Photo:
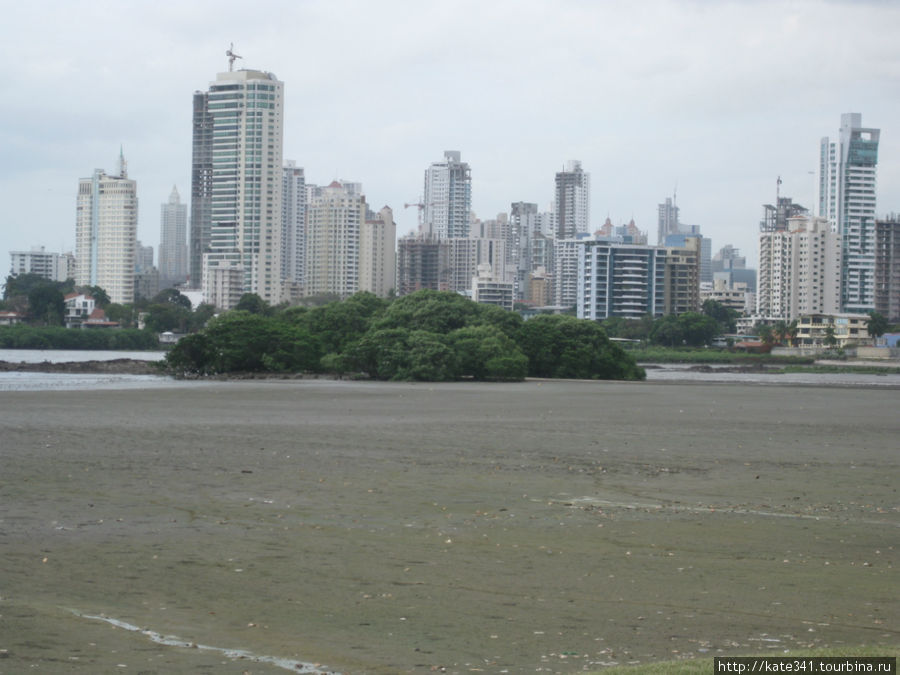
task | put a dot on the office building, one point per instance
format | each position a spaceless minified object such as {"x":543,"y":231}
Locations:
{"x":238,"y":168}
{"x":846,"y":182}
{"x":106,"y":233}
{"x":173,"y":249}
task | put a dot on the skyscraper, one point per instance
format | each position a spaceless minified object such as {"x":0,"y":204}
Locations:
{"x":334,"y":220}
{"x":571,"y":201}
{"x":847,"y":171}
{"x":293,"y":232}
{"x":238,"y":147}
{"x":447,"y":199}
{"x":106,"y":232}
{"x":173,"y":263}
{"x":667,"y":220}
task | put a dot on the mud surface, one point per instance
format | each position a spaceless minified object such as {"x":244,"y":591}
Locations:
{"x":385,"y":528}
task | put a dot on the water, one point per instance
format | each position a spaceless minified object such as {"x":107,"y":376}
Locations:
{"x":658,"y":373}
{"x":71,"y":355}
{"x":682,"y":373}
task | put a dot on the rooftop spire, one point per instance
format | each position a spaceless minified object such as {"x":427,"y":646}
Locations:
{"x":123,"y":165}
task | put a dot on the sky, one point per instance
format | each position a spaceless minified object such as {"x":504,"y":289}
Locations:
{"x":708,"y":100}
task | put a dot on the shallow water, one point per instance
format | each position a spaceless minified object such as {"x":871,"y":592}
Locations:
{"x":74,"y":355}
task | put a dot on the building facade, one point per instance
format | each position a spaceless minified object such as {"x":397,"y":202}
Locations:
{"x":239,"y":135}
{"x":422,"y":262}
{"x":615,"y":279}
{"x":106,"y":233}
{"x":293,"y":223}
{"x":799,"y":270}
{"x":572,"y":201}
{"x":887,"y":268}
{"x":378,"y":254}
{"x":335,"y":218}
{"x":847,"y":173}
{"x":447,"y":199}
{"x":173,"y":248}
{"x":53,"y":266}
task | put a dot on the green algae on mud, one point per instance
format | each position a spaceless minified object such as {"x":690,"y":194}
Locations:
{"x":381,"y":528}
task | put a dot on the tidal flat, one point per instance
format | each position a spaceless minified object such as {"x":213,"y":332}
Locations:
{"x":392,"y":527}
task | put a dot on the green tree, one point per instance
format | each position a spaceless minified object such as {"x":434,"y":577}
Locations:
{"x":563,"y":346}
{"x":877,"y":325}
{"x":766,"y":333}
{"x":697,"y":329}
{"x":100,"y":296}
{"x":830,"y":339}
{"x":667,"y":331}
{"x":167,"y":317}
{"x":123,"y":314}
{"x":486,"y":353}
{"x":251,"y":302}
{"x":724,"y":316}
{"x":171,"y":296}
{"x":46,"y":304}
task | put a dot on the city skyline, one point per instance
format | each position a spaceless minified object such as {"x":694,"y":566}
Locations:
{"x":525,"y":87}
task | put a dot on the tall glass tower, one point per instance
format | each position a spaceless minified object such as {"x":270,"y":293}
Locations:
{"x":847,"y":170}
{"x":237,"y":182}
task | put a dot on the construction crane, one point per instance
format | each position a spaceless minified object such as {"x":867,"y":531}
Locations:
{"x":231,"y":57}
{"x":421,"y":206}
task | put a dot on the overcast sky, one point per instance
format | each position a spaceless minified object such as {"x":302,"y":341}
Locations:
{"x":716,"y":98}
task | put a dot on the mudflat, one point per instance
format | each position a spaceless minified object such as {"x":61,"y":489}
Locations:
{"x":387,"y":528}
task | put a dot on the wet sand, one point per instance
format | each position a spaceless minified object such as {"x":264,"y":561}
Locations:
{"x":384,"y":528}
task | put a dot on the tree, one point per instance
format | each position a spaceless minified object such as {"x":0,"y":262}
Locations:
{"x":46,"y":304}
{"x":876,"y":326}
{"x":724,"y":316}
{"x":487,"y":353}
{"x":563,"y":346}
{"x":171,"y":296}
{"x":766,"y":333}
{"x":667,"y":331}
{"x":251,"y":302}
{"x":830,"y":340}
{"x":100,"y":296}
{"x":697,"y":329}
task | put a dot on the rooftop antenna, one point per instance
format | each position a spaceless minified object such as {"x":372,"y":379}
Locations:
{"x":231,"y":57}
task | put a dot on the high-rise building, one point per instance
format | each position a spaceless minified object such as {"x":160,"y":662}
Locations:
{"x":572,"y":201}
{"x":447,"y":200}
{"x":667,"y":220}
{"x":106,"y":233}
{"x":615,"y":279}
{"x":847,"y":172}
{"x":422,"y":262}
{"x":53,"y":266}
{"x":238,"y":147}
{"x":887,"y":268}
{"x":293,"y":232}
{"x":799,"y":269}
{"x":173,"y":262}
{"x":334,"y":222}
{"x":377,"y":253}
{"x":201,"y":188}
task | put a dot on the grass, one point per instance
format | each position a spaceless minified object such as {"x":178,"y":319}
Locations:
{"x":704,"y":666}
